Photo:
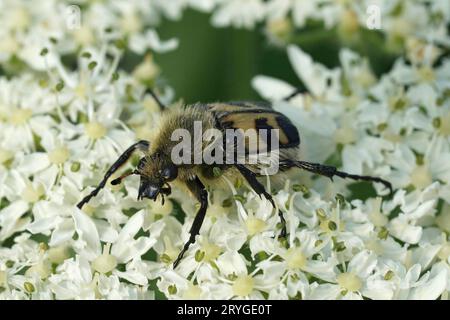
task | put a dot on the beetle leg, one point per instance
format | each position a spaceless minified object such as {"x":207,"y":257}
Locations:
{"x":296,"y":92}
{"x":330,"y":171}
{"x":198,"y":189}
{"x":250,"y":176}
{"x":155,"y":97}
{"x":141,"y":145}
{"x":167,"y":189}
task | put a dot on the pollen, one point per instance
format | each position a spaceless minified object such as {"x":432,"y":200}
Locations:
{"x":331,"y":226}
{"x":374,"y":246}
{"x":243,"y":286}
{"x":171,"y":253}
{"x":29,"y":287}
{"x":444,"y":127}
{"x":392,"y":137}
{"x":84,"y":36}
{"x":2,"y":278}
{"x":443,"y":219}
{"x":349,"y":23}
{"x":9,"y":45}
{"x":105,"y":262}
{"x":420,"y":177}
{"x":345,"y":135}
{"x":150,"y":104}
{"x":193,"y":292}
{"x":41,"y":269}
{"x":376,"y":217}
{"x":426,"y":74}
{"x":254,"y":225}
{"x":131,"y":23}
{"x":349,"y":281}
{"x":32,"y":194}
{"x":147,"y":70}
{"x":158,"y":208}
{"x":88,"y":209}
{"x":216,"y":210}
{"x":20,"y":18}
{"x":444,"y":252}
{"x":95,"y":130}
{"x":279,"y":28}
{"x":19,"y":117}
{"x":400,"y":28}
{"x":211,"y":250}
{"x":5,"y":155}
{"x":365,"y":78}
{"x":81,"y":91}
{"x":59,"y":155}
{"x":58,"y":254}
{"x":295,"y":258}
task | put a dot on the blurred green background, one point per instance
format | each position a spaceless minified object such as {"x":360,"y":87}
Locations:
{"x":217,"y":64}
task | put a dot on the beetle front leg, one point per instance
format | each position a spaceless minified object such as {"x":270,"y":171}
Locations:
{"x":198,"y":189}
{"x":142,"y":145}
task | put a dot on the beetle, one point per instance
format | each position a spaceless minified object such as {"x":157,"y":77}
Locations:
{"x":157,"y":168}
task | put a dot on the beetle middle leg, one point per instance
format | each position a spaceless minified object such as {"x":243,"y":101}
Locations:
{"x":250,"y":176}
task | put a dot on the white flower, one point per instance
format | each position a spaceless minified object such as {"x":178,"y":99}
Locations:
{"x":433,"y":166}
{"x":69,"y":108}
{"x":238,"y":13}
{"x":301,"y":10}
{"x":124,"y":248}
{"x":404,"y":226}
{"x":24,"y":112}
{"x":435,"y":282}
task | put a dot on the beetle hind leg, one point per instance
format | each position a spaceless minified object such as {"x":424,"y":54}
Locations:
{"x":330,"y":172}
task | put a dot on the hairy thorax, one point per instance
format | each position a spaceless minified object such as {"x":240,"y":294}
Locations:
{"x":174,"y":123}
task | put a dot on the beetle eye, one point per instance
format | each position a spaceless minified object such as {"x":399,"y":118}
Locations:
{"x":169,"y":173}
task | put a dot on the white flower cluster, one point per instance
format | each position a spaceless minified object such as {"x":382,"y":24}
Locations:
{"x":63,"y":123}
{"x":400,"y":20}
{"x":397,"y":128}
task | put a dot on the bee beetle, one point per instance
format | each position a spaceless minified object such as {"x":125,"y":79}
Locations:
{"x":157,"y":168}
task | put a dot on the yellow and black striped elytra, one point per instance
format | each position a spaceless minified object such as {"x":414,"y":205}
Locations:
{"x":157,"y":170}
{"x":257,"y":116}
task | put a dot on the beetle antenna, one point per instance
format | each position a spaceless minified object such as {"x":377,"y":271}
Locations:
{"x":119,"y":179}
{"x":141,"y":145}
{"x":158,"y":101}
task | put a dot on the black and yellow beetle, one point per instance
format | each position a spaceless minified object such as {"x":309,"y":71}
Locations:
{"x":157,"y":168}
